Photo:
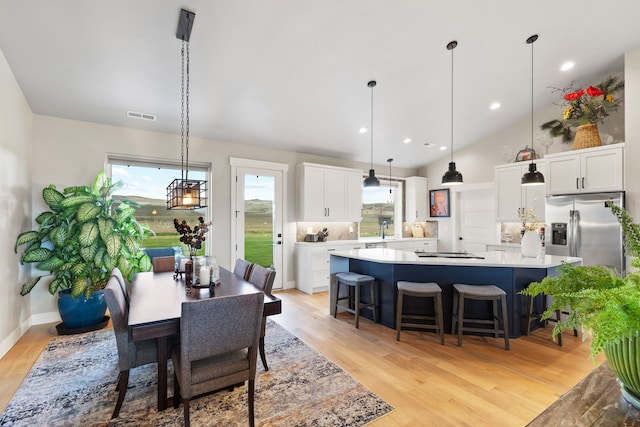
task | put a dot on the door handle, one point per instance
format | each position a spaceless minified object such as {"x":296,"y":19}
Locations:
{"x":577,"y":183}
{"x":583,"y":182}
{"x":459,"y":238}
{"x":279,"y":242}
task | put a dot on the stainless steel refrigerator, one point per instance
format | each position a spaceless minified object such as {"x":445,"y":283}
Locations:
{"x":582,"y":225}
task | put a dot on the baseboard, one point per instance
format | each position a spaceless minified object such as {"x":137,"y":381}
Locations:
{"x":13,"y":337}
{"x":41,"y":318}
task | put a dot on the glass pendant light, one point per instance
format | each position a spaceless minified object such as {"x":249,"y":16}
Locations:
{"x":371,"y":180}
{"x":452,"y":176}
{"x":532,"y":177}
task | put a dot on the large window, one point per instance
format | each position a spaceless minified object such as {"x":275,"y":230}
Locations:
{"x":146,"y":184}
{"x":382,"y":207}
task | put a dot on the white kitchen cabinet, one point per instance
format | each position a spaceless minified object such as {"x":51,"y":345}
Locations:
{"x":327,"y":193}
{"x":511,"y":197}
{"x":412,"y":245}
{"x":312,"y":264}
{"x":589,"y":170}
{"x":417,"y":203}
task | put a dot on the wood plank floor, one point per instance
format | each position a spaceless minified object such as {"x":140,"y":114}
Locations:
{"x":478,"y":384}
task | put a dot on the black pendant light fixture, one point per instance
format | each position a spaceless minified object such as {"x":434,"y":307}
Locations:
{"x":532,"y":177}
{"x":452,"y":176}
{"x":185,"y":193}
{"x":389,"y":160}
{"x":371,"y":180}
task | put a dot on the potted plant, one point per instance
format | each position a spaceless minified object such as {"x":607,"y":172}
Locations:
{"x":606,"y":304}
{"x":80,"y":240}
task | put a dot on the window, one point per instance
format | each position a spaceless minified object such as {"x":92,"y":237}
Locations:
{"x":382,"y":205}
{"x":146,"y":184}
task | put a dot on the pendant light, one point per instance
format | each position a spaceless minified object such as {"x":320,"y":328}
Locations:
{"x":185,"y":193}
{"x":533,"y":177}
{"x":371,"y":180}
{"x":452,"y":176}
{"x":389,"y":160}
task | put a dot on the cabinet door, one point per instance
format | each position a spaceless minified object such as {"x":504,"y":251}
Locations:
{"x":335,"y":195}
{"x":508,"y":192}
{"x":417,"y":205}
{"x":354,"y":196}
{"x":313,"y":208}
{"x":564,"y":175}
{"x":601,"y":170}
{"x":533,"y":196}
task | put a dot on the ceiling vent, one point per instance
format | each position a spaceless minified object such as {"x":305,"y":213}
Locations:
{"x":141,"y":116}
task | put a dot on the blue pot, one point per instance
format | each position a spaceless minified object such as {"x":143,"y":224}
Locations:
{"x":81,"y":312}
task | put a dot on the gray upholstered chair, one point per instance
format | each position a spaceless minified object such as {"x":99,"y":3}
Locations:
{"x":123,"y":284}
{"x":243,"y":268}
{"x":163,"y":264}
{"x":262,"y":278}
{"x":218,"y":347}
{"x":130,"y":354}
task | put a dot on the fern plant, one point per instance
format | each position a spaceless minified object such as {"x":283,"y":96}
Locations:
{"x":84,"y":235}
{"x":605,"y":303}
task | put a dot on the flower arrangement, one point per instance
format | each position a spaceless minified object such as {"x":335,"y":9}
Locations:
{"x":529,"y":220}
{"x":584,"y":106}
{"x":193,"y":238}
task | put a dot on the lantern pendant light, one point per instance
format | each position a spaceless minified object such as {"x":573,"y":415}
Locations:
{"x":185,"y":193}
{"x":371,"y":180}
{"x":533,"y":177}
{"x":452,"y":176}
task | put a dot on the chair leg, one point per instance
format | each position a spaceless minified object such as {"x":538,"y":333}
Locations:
{"x":373,"y":301}
{"x":250,"y":398}
{"x":263,"y":357}
{"x":335,"y":302}
{"x":399,"y":315}
{"x":123,"y":382}
{"x":460,"y":319}
{"x":454,"y":317}
{"x":176,"y":391}
{"x":505,"y":321}
{"x":187,"y":420}
{"x":438,"y":307}
{"x":357,"y":304}
{"x":118,"y":381}
{"x":495,"y":318}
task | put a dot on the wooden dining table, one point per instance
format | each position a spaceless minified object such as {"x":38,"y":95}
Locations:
{"x":155,"y":308}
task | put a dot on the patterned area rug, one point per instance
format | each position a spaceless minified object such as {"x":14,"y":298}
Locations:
{"x":73,"y":383}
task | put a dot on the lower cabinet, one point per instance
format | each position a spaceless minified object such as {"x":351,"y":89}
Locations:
{"x":312,"y":265}
{"x":412,"y":245}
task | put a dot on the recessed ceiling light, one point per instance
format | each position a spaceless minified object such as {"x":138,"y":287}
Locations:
{"x":442,"y":148}
{"x":429,"y":144}
{"x":406,"y":140}
{"x":363,"y":130}
{"x":495,"y":105}
{"x":567,"y":66}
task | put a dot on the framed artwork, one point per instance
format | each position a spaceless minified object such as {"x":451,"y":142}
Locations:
{"x":439,"y":203}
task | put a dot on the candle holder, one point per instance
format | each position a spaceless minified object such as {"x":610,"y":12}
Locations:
{"x":201,"y":272}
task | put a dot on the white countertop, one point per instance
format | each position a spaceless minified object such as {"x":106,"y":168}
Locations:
{"x":367,"y":240}
{"x":491,"y":259}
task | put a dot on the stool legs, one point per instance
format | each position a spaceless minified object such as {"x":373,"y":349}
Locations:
{"x":505,"y":321}
{"x":437,"y":318}
{"x":354,"y":301}
{"x":458,"y":319}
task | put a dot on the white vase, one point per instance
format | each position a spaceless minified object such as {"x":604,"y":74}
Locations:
{"x":530,"y":244}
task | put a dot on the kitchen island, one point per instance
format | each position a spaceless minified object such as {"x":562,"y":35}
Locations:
{"x":509,"y":271}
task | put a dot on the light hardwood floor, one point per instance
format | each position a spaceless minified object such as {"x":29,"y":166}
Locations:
{"x":478,"y":384}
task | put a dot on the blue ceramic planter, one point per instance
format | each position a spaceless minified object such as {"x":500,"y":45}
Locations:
{"x":81,"y":312}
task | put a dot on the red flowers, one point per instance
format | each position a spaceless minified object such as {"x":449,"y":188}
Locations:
{"x":594,"y":91}
{"x":574,"y":95}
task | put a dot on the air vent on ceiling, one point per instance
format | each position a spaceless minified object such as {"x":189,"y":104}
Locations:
{"x":141,"y":116}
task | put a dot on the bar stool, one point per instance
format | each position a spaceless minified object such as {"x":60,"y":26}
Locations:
{"x":532,"y":317}
{"x":355,"y":281}
{"x":479,"y":292}
{"x":420,"y":290}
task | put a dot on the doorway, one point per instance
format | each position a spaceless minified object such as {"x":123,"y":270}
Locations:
{"x":257,"y":215}
{"x":475,"y":223}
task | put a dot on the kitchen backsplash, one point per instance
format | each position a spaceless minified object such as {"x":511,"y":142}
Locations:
{"x":349,"y":230}
{"x":430,"y":228}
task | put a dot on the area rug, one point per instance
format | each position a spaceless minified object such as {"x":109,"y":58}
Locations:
{"x":73,"y":383}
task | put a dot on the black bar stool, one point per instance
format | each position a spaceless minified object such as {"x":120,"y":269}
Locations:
{"x":420,"y":290}
{"x":480,"y":292}
{"x":355,"y":281}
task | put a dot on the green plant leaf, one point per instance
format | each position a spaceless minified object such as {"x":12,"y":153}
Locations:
{"x":109,"y":262}
{"x":97,"y":258}
{"x":50,"y":265}
{"x":106,"y":227}
{"x":52,"y":197}
{"x":36,"y":255}
{"x":88,"y":252}
{"x":113,"y":244}
{"x":75,"y":200}
{"x":67,"y":266}
{"x":26,"y":237}
{"x":131,"y":243}
{"x":58,"y":235}
{"x":55,"y":284}
{"x":124,"y":213}
{"x":26,"y":288}
{"x":44,"y":218}
{"x":87,"y":211}
{"x":79,"y":286}
{"x":79,"y":269}
{"x":88,"y":233}
{"x":145,"y":263}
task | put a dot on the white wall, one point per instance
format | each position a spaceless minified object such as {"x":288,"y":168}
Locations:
{"x":632,"y":133}
{"x":15,"y":204}
{"x":71,"y":152}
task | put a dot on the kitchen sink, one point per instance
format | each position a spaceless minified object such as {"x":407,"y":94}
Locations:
{"x":425,"y":254}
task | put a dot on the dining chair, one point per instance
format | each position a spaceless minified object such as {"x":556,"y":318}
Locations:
{"x":123,"y":284}
{"x":243,"y":268}
{"x":163,"y":263}
{"x":262,"y":278}
{"x":218,"y":347}
{"x":130,"y":354}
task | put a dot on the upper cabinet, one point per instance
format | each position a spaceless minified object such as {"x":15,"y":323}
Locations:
{"x":588,"y":170}
{"x":511,"y":197}
{"x":417,"y":205}
{"x":328,"y":193}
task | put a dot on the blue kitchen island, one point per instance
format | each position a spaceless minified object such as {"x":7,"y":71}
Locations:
{"x":509,"y":271}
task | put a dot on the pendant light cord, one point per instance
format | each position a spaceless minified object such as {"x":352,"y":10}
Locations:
{"x":452,"y":104}
{"x":372,"y":86}
{"x":184,"y":130}
{"x":533,"y":153}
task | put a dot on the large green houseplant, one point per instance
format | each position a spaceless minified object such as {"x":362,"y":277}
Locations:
{"x":606,"y":304}
{"x":84,"y":235}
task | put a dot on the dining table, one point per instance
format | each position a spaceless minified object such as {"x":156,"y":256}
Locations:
{"x":155,"y":307}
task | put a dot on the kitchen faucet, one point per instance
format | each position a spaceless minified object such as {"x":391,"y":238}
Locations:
{"x":384,"y":225}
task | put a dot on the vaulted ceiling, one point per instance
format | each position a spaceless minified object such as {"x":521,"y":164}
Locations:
{"x":292,"y":74}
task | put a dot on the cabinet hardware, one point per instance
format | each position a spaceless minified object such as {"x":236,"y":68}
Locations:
{"x":583,"y":182}
{"x":577,"y":183}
